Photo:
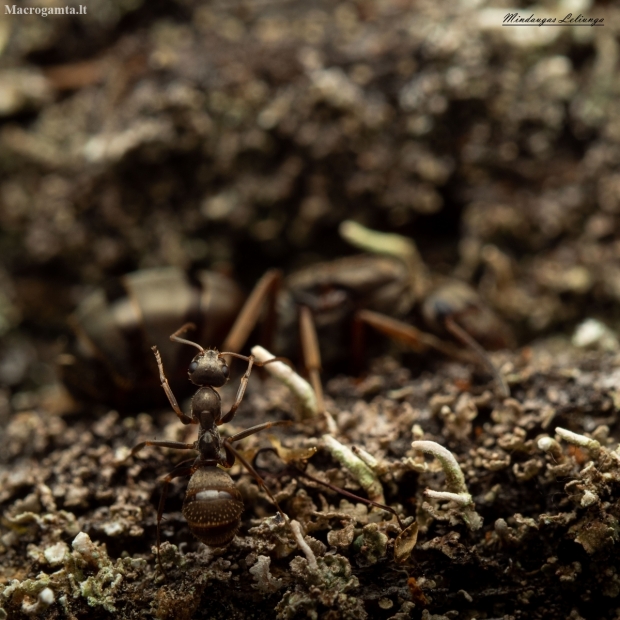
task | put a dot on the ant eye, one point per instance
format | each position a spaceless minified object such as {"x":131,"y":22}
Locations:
{"x":225,"y":371}
{"x":192,"y":367}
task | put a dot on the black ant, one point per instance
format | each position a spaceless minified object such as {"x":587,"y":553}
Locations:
{"x":213,"y":505}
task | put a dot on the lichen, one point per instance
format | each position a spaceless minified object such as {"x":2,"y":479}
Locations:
{"x":86,"y":571}
{"x":319,"y":590}
{"x":265,"y":581}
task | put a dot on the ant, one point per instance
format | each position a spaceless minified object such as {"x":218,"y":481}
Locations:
{"x":213,"y":505}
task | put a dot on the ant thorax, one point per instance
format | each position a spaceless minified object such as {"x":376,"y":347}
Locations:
{"x":206,"y":407}
{"x":209,"y":445}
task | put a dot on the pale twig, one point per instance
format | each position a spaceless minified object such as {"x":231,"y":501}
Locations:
{"x":298,"y":386}
{"x":303,"y":545}
{"x":455,"y":481}
{"x":367,"y":478}
{"x":591,"y":445}
{"x":389,"y":244}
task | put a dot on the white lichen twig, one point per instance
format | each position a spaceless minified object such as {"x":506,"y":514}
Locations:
{"x":299,"y":387}
{"x":389,"y":244}
{"x":303,"y":545}
{"x":455,"y":481}
{"x":591,"y":445}
{"x":366,"y":477}
{"x":44,"y":600}
{"x":552,"y":447}
{"x":368,"y":458}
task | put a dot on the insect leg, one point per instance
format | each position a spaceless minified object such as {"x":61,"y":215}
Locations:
{"x":266,"y":289}
{"x":173,"y":401}
{"x":458,"y":332}
{"x":256,"y":429}
{"x":408,"y":335}
{"x":176,"y":445}
{"x":231,"y":454}
{"x":312,"y":354}
{"x":240,"y":392}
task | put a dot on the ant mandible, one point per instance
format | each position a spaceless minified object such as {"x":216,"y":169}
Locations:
{"x":212,"y":505}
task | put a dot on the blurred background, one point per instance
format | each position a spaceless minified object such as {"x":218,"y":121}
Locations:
{"x":237,"y":135}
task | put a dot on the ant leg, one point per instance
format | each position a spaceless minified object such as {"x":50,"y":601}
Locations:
{"x":460,"y":334}
{"x":358,"y":343}
{"x":176,"y":445}
{"x":177,"y":472}
{"x":256,"y":429}
{"x":244,"y":380}
{"x":240,"y":393}
{"x":231,"y":454}
{"x":406,"y":334}
{"x":350,"y":495}
{"x":266,"y":289}
{"x":311,"y":353}
{"x":171,"y":398}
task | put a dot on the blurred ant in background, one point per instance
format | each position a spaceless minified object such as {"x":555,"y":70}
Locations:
{"x":108,"y":362}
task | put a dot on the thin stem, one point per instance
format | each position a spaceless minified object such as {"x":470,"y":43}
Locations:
{"x":350,"y":495}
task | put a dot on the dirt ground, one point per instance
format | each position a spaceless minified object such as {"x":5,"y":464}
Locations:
{"x":237,"y":137}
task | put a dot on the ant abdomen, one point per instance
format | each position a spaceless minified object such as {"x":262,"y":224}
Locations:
{"x":212,"y":506}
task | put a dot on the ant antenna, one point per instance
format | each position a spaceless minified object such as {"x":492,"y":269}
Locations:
{"x":254,"y":361}
{"x":182,"y":330}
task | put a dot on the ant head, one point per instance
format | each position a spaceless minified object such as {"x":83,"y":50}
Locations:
{"x":208,"y":368}
{"x":450,"y":300}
